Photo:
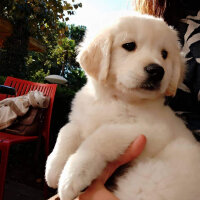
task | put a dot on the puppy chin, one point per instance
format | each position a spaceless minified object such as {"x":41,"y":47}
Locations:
{"x":147,"y":94}
{"x":136,"y":94}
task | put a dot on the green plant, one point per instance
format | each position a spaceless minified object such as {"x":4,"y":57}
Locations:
{"x":37,"y":18}
{"x":2,"y":79}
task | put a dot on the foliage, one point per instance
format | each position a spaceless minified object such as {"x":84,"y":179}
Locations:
{"x":75,"y":33}
{"x":15,"y":50}
{"x":59,"y":59}
{"x":37,"y":18}
{"x":75,"y":77}
{"x":2,"y":80}
{"x":39,"y":76}
{"x":42,"y":16}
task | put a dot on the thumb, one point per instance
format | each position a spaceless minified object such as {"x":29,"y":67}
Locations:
{"x":133,"y":151}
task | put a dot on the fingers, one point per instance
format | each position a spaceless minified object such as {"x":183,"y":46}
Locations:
{"x":133,"y":151}
{"x":55,"y":197}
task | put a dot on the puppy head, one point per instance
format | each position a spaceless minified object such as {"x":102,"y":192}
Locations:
{"x":138,"y":57}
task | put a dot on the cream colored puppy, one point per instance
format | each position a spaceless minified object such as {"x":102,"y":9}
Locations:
{"x":131,"y":67}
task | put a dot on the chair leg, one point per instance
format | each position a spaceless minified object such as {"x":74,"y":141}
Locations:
{"x":4,"y":148}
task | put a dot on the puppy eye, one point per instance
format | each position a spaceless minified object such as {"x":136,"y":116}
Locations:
{"x":164,"y":54}
{"x":130,"y":46}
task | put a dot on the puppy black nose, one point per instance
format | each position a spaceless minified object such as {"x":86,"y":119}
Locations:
{"x":155,"y":72}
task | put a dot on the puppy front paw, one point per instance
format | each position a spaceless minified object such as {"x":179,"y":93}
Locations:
{"x":78,"y":174}
{"x":53,"y":171}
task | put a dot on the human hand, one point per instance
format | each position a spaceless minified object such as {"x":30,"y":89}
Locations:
{"x":97,"y":190}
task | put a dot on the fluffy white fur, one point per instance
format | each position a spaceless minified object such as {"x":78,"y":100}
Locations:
{"x":112,"y":109}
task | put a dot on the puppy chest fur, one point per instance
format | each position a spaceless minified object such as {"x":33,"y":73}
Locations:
{"x":158,"y":170}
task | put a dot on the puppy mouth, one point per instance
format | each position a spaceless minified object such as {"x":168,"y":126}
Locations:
{"x":150,"y":85}
{"x":146,"y":85}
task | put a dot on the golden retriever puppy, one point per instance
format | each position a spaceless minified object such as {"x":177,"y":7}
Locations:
{"x":131,"y":66}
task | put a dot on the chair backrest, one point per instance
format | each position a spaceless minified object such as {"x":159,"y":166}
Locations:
{"x":23,"y":87}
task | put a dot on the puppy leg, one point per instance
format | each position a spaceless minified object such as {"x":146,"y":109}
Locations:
{"x":103,"y":146}
{"x":67,"y":142}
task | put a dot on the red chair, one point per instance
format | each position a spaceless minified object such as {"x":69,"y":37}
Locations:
{"x":6,"y":140}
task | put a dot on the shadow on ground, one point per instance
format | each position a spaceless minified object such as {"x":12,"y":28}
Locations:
{"x":25,"y":176}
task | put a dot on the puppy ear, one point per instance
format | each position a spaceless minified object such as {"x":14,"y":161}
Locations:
{"x":177,"y":75}
{"x":95,"y":57}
